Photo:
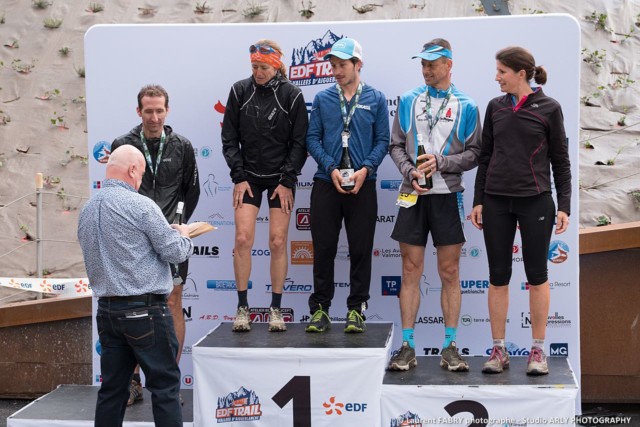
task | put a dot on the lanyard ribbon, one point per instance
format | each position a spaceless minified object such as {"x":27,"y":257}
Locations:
{"x":433,"y":122}
{"x":147,"y":154}
{"x":346,"y":118}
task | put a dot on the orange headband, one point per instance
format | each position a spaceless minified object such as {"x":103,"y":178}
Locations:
{"x":272,"y":59}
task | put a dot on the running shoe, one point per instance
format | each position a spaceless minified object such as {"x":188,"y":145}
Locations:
{"x":498,"y":361}
{"x":404,"y":359}
{"x":537,"y":363}
{"x":452,"y":360}
{"x":276,"y":321}
{"x":242,"y":322}
{"x":319,"y":322}
{"x":355,"y":323}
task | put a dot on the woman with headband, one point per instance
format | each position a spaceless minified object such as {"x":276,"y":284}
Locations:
{"x":263,"y":142}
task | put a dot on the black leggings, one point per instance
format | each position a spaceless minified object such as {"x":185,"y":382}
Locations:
{"x":536,"y":216}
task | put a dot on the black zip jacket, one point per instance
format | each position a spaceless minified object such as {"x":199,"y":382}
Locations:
{"x":177,"y":179}
{"x":519,"y":144}
{"x":263,"y":131}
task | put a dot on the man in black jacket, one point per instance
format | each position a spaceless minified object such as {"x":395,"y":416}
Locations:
{"x":171,"y":176}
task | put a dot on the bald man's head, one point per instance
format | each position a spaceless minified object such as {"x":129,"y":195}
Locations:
{"x":126,"y":164}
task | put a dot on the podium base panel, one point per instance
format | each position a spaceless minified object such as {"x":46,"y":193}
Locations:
{"x":74,"y":406}
{"x":431,"y":395}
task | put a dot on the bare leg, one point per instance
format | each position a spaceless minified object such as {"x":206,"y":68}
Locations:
{"x":498,"y":309}
{"x":449,"y":270}
{"x":539,"y":300}
{"x":412,"y":267}
{"x":278,"y":235}
{"x":245,"y":218}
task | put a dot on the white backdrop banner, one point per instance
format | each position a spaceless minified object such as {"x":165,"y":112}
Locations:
{"x":198,"y":63}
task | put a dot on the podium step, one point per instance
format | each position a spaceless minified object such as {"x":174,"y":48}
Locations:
{"x":74,"y":405}
{"x":430,"y":372}
{"x":376,"y":336}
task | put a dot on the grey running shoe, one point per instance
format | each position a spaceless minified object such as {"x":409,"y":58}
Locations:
{"x":135,"y":392}
{"x":404,"y":359}
{"x":537,"y":363}
{"x":498,"y":361}
{"x":242,"y":322}
{"x":355,"y":323}
{"x":452,"y":360}
{"x":319,"y":322}
{"x":276,"y":322}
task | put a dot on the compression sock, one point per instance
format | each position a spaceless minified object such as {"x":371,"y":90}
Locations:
{"x":242,"y":299}
{"x":449,"y":335}
{"x":407,"y":335}
{"x":276,"y":300}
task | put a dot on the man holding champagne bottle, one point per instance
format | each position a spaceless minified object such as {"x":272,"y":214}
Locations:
{"x":430,"y":197}
{"x":348,"y":137}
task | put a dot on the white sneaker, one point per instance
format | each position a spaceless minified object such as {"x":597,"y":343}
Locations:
{"x":242,"y":322}
{"x":276,"y":322}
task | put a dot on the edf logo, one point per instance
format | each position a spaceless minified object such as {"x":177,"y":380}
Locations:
{"x":559,"y":349}
{"x":391,"y":285}
{"x":333,"y":407}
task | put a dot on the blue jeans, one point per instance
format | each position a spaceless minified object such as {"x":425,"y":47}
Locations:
{"x":137,"y":332}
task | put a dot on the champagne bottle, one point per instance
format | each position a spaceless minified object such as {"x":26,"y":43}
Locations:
{"x":177,"y":219}
{"x":423,"y":181}
{"x":345,"y":168}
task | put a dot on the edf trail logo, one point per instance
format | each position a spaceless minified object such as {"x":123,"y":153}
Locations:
{"x":308,"y":66}
{"x":242,"y":405}
{"x":408,"y":419}
{"x":558,"y":251}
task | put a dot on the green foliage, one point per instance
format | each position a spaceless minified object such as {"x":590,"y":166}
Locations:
{"x":533,"y":11}
{"x":253,"y":11}
{"x":202,"y":8}
{"x":22,"y":67}
{"x":52,"y":23}
{"x":95,"y":7}
{"x":50,"y":94}
{"x":40,"y":4}
{"x":599,"y":20}
{"x":635,"y":196}
{"x":587,"y":99}
{"x":307,"y":11}
{"x":612,"y":161}
{"x":602,"y":220}
{"x":58,"y":120}
{"x":622,"y":81}
{"x":70,"y":155}
{"x":594,"y":58}
{"x":622,"y":121}
{"x":478,"y":7}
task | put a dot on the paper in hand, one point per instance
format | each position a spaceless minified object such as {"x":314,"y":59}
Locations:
{"x":200,"y":227}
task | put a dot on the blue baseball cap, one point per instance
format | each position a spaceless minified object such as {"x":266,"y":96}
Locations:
{"x":431,"y":52}
{"x":345,"y":48}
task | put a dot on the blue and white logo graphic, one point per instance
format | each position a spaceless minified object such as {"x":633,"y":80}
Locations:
{"x":102,"y":151}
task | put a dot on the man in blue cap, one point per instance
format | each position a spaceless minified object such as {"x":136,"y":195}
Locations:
{"x":449,"y":121}
{"x":349,"y":117}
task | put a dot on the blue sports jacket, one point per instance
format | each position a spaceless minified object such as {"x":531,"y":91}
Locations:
{"x":369,"y":128}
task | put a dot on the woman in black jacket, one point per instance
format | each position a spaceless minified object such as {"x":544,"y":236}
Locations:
{"x":263,"y":142}
{"x":523,"y":138}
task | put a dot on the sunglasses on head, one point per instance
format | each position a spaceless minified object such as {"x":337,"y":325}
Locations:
{"x":261,"y":49}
